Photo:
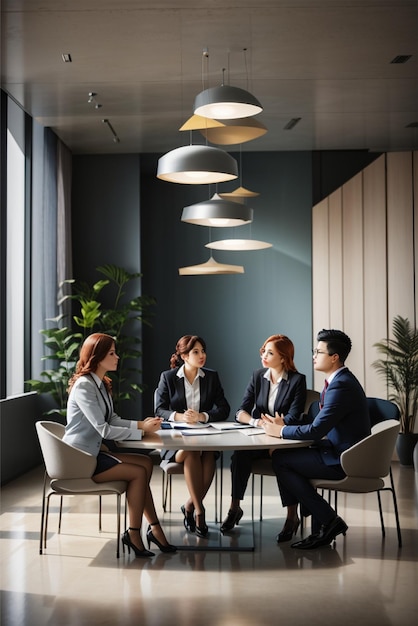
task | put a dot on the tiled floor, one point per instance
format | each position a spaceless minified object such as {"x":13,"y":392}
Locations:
{"x":78,"y":581}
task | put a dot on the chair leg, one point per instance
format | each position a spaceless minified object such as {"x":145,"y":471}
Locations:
{"x":216,"y":494}
{"x":382,"y":523}
{"x":164,"y":490}
{"x":261,"y":497}
{"x":252,"y":496}
{"x":41,"y":532}
{"x":395,"y":507}
{"x":118,"y":499}
{"x":46,"y":519}
{"x":221,"y":486}
{"x":60,"y":515}
{"x":100,"y":514}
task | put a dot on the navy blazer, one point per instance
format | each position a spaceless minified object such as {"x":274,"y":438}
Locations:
{"x":170,"y":395}
{"x":343,"y":420}
{"x":290,"y":399}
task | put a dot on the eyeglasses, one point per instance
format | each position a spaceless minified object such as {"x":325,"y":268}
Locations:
{"x":315,"y":352}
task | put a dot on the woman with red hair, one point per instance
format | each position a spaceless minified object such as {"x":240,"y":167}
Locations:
{"x":277,"y":389}
{"x":91,"y":421}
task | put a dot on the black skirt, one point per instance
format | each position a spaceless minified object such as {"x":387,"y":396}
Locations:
{"x":104,"y":462}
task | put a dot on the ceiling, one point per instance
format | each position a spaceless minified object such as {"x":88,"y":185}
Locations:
{"x":327,"y":62}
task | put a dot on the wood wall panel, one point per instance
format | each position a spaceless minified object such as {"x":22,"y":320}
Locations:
{"x":400,"y":236}
{"x":375,"y":271}
{"x":415,"y":174}
{"x":320,"y":275}
{"x":352,"y":249}
{"x":370,"y":260}
{"x":336,"y":260}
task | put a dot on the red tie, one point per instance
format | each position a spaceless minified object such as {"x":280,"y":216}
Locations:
{"x":321,"y":401}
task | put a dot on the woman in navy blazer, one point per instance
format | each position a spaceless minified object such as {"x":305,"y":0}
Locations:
{"x":276,"y":389}
{"x":91,"y":420}
{"x":191,"y":393}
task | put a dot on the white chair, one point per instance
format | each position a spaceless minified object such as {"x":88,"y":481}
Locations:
{"x":68,"y":471}
{"x":367,"y":464}
{"x":262,"y":467}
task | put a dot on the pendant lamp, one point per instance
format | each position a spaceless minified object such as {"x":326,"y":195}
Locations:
{"x":226,"y":132}
{"x":197,"y":165}
{"x":217,"y":212}
{"x":226,"y":103}
{"x":238,"y":244}
{"x":210,"y":268}
{"x":239,"y":194}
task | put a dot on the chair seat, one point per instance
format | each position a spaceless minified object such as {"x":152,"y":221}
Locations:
{"x":350,"y":484}
{"x":171,"y":467}
{"x":87,"y":485}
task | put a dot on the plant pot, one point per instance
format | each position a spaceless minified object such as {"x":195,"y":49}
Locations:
{"x":415,"y":457}
{"x":405,"y":445}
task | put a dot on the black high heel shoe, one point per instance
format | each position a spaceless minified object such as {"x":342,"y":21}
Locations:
{"x":290,"y":528}
{"x":126,"y":541}
{"x":201,"y":526}
{"x":189,"y":521}
{"x":152,"y":539}
{"x":231,"y":520}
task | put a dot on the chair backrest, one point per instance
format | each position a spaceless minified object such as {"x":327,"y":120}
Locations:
{"x":61,"y":459}
{"x":371,"y":457}
{"x":380,"y":410}
{"x":311,"y":396}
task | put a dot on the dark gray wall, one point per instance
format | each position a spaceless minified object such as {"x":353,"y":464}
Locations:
{"x":18,"y":416}
{"x":234,"y":313}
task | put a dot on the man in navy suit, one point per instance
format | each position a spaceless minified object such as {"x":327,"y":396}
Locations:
{"x":342,"y":421}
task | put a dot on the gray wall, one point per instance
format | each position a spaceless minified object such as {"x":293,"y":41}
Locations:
{"x":234,"y":313}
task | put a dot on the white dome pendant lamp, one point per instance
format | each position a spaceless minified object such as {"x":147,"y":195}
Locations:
{"x":197,"y":165}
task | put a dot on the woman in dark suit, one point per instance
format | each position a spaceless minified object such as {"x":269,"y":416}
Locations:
{"x":276,"y":389}
{"x":191,"y":393}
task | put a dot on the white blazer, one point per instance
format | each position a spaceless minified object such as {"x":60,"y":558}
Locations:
{"x":86,"y":418}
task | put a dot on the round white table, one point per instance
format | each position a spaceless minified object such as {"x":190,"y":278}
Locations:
{"x":242,"y":537}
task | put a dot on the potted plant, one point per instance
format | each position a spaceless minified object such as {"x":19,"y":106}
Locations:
{"x":103,"y":307}
{"x":399,"y":367}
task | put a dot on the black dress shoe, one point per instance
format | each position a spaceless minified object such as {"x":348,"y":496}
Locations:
{"x":324,"y":537}
{"x":231,"y":520}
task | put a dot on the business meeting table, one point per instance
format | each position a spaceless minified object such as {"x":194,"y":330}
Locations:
{"x":220,"y":436}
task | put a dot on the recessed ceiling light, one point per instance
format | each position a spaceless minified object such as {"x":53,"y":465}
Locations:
{"x":66,"y":57}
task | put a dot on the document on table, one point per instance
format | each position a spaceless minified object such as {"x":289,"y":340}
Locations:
{"x":186,"y":425}
{"x":253,"y":431}
{"x":229,"y":425}
{"x":189,"y":432}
